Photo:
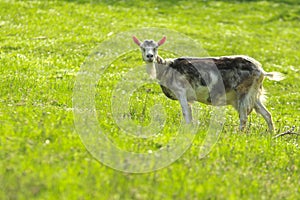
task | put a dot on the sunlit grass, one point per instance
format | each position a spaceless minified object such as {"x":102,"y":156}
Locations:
{"x":44,"y":43}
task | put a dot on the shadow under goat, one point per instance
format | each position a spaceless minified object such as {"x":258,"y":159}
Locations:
{"x":227,"y":80}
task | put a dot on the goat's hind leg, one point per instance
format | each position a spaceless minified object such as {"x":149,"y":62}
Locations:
{"x":244,"y":108}
{"x":243,"y":117}
{"x":261,"y":109}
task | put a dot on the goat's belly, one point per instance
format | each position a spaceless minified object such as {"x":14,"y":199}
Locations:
{"x":231,"y":98}
{"x":203,"y":95}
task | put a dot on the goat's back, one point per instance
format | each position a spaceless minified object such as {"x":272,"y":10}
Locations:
{"x":232,"y":70}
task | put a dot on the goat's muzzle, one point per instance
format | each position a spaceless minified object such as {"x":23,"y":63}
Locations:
{"x":149,"y":58}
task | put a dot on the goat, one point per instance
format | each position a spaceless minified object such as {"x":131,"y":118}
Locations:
{"x":218,"y":81}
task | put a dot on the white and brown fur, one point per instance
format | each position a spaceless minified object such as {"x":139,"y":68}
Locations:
{"x":228,"y":80}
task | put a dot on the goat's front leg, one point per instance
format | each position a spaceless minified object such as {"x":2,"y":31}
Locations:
{"x":186,"y":108}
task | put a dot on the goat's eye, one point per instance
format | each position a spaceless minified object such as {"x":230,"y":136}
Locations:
{"x":143,"y":50}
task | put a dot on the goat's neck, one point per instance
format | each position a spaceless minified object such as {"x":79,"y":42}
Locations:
{"x":156,"y":69}
{"x":151,"y":70}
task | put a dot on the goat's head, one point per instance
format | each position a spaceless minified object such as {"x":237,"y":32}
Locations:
{"x":149,"y":48}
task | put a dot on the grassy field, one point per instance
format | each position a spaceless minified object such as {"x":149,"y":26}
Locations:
{"x":44,"y":43}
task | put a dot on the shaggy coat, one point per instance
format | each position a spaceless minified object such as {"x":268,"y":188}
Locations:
{"x":228,"y":80}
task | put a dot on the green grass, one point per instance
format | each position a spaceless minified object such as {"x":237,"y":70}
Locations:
{"x":44,"y":43}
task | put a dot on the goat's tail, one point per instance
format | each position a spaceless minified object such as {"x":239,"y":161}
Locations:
{"x":274,"y":76}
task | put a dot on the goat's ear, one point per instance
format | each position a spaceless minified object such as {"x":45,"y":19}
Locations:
{"x":162,"y":41}
{"x":136,"y":40}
